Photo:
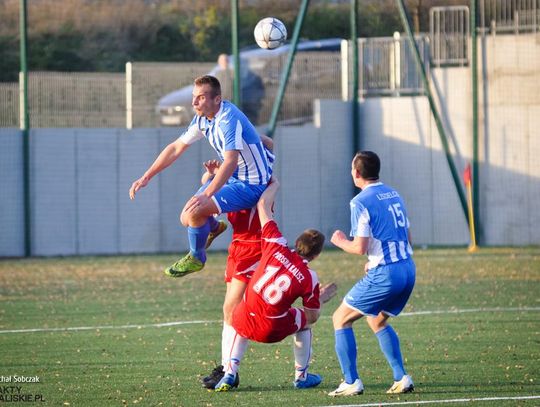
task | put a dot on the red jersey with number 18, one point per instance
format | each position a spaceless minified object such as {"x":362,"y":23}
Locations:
{"x":265,"y":313}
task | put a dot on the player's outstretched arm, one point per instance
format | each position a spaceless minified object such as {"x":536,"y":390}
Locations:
{"x":266,"y":202}
{"x":327,"y":292}
{"x":169,"y":155}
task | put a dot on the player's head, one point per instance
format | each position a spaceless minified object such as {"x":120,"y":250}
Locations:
{"x":206,"y":96}
{"x":367,"y":165}
{"x":309,"y":244}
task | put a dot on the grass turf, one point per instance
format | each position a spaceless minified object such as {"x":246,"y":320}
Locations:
{"x":451,"y":354}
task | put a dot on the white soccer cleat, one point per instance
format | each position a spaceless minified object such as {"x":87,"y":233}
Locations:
{"x":346,"y":389}
{"x":405,"y":385}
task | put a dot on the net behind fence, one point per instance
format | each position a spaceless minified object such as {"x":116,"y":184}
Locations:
{"x":9,"y":104}
{"x":153,"y":80}
{"x":69,"y":99}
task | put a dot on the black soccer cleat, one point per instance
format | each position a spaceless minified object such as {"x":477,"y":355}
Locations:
{"x":213,"y":378}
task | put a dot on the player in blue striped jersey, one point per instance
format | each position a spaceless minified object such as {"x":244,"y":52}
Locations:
{"x":241,"y":179}
{"x":380,"y":229}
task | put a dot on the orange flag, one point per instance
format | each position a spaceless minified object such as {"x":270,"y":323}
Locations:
{"x":467,"y":174}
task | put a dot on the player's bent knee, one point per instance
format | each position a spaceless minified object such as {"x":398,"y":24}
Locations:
{"x":227,"y":313}
{"x":339,"y":320}
{"x":183,"y":219}
{"x":228,"y":309}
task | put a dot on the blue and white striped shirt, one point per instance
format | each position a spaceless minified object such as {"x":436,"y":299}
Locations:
{"x":230,"y":130}
{"x":379,"y":213}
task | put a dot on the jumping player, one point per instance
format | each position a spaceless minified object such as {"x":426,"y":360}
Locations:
{"x":239,"y":181}
{"x":266,"y":314}
{"x":380,"y":229}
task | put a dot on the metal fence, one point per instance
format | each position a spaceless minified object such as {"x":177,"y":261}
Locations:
{"x":387,"y":66}
{"x":314,"y":75}
{"x":513,"y":16}
{"x":449,"y":35}
{"x":77,"y":99}
{"x":152,"y":80}
{"x":9,"y":104}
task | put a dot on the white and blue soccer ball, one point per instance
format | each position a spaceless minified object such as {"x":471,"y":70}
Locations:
{"x":270,"y":33}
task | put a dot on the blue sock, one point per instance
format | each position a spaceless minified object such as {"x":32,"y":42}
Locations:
{"x":346,"y":353}
{"x":213,"y":222}
{"x":197,"y":240}
{"x":389,"y":343}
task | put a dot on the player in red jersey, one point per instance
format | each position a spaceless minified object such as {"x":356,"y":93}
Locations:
{"x":244,"y":256}
{"x":266,"y":313}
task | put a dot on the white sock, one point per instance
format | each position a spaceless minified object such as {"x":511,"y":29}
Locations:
{"x":302,"y":353}
{"x":227,"y":336}
{"x":235,"y":353}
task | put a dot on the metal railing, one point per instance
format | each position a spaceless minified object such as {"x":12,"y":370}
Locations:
{"x":9,"y":104}
{"x":510,"y":16}
{"x":152,"y":80}
{"x":449,"y":35}
{"x":387,"y":67}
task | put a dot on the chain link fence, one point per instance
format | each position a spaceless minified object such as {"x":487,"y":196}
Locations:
{"x":77,"y":99}
{"x":153,"y":80}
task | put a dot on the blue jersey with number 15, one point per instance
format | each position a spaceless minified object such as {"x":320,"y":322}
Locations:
{"x":379,"y":213}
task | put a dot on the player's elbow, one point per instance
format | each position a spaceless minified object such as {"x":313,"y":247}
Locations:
{"x":359,"y":250}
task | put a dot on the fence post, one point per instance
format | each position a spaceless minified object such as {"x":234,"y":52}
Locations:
{"x":25,"y":126}
{"x":344,"y":70}
{"x":129,"y":96}
{"x":397,"y":62}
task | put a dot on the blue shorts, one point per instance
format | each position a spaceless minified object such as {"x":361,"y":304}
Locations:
{"x":384,"y":289}
{"x":235,"y":195}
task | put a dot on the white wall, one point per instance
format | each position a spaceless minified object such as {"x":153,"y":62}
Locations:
{"x":80,"y":180}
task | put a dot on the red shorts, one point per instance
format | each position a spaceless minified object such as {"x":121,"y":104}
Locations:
{"x":242,"y":260}
{"x":264,"y":329}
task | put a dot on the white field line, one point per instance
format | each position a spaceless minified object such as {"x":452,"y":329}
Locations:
{"x":417,"y":402}
{"x":199,"y":322}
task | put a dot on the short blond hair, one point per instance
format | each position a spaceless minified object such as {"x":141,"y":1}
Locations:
{"x":210,"y":80}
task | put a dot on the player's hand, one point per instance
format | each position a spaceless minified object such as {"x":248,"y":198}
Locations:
{"x":212,"y":166}
{"x":366,"y":267}
{"x":274,"y":181}
{"x":338,"y":237}
{"x":327,"y":292}
{"x":140,"y":183}
{"x":195,"y":203}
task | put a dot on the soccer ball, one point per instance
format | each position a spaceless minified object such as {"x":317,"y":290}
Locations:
{"x":270,"y":33}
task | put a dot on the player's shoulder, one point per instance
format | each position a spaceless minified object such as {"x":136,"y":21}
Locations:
{"x":314,"y":276}
{"x":270,"y":231}
{"x":228,"y":111}
{"x":376,"y":192}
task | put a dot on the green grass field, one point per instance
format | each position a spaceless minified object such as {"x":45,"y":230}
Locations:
{"x":471,"y":330}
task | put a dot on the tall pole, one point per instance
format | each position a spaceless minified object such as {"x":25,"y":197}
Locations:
{"x":237,"y":97}
{"x":287,"y":71}
{"x":474,"y":70}
{"x":354,"y":102}
{"x":433,"y":107}
{"x":25,"y":127}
